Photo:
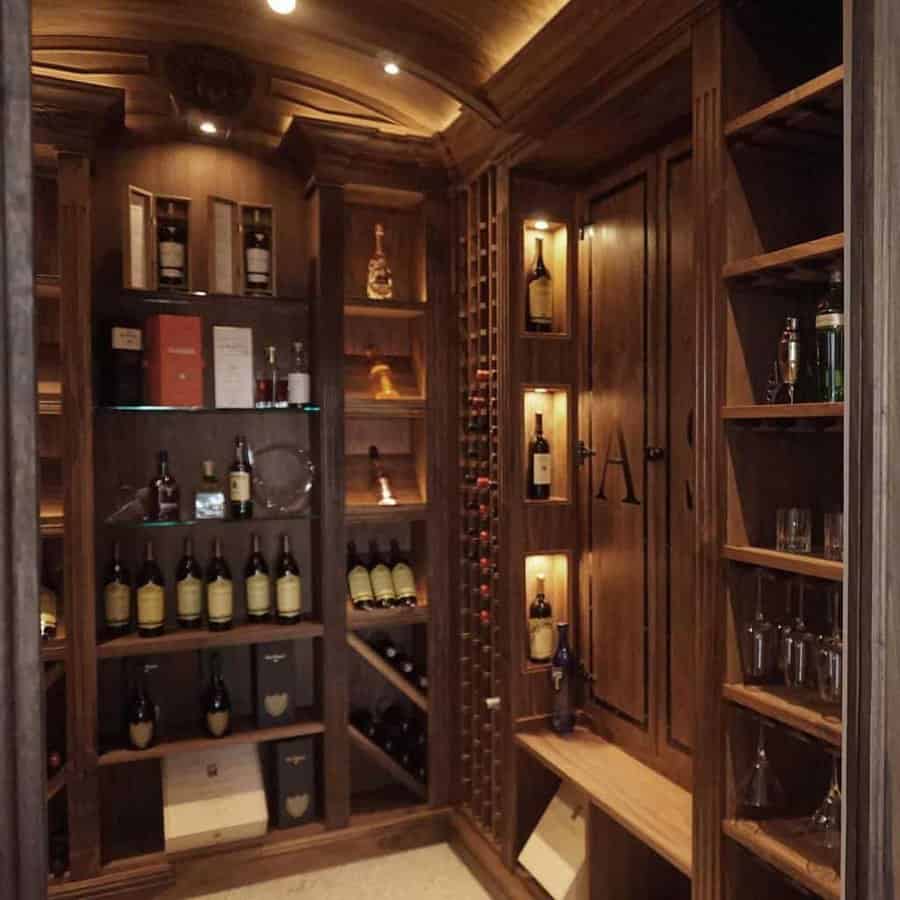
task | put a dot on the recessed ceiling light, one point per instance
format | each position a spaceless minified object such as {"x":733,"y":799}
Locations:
{"x":392,"y":68}
{"x":283,"y":7}
{"x":542,"y":225}
{"x":209,"y":127}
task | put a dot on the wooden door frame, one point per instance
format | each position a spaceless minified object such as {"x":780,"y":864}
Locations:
{"x":23,"y":833}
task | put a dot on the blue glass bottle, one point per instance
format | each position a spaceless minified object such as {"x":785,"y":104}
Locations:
{"x":562,"y":667}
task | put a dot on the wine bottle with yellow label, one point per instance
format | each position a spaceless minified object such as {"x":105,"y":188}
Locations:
{"x":219,"y":591}
{"x":151,"y":597}
{"x":117,"y":596}
{"x":380,"y":576}
{"x":541,"y":635}
{"x":141,"y":717}
{"x":257,"y":585}
{"x":189,"y":589}
{"x":403,"y":576}
{"x":240,"y":481}
{"x":218,"y":703}
{"x":358,"y":582}
{"x":288,"y":589}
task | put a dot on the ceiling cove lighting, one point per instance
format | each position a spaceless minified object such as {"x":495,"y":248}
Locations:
{"x":283,"y":7}
{"x":391,"y":68}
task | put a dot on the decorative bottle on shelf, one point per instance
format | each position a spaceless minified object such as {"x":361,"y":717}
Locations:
{"x":257,"y":584}
{"x":383,"y":490}
{"x":218,"y":703}
{"x":123,"y":381}
{"x":172,"y":240}
{"x":539,"y":462}
{"x":380,"y":283}
{"x":117,"y":596}
{"x":239,"y":481}
{"x":209,"y":498}
{"x":49,"y":606}
{"x":288,"y":586}
{"x":151,"y":597}
{"x":298,"y":378}
{"x":189,"y":589}
{"x":830,"y":340}
{"x":381,"y":375}
{"x":358,"y":582}
{"x":539,"y":288}
{"x":271,"y":388}
{"x":540,"y":626}
{"x":380,"y":576}
{"x":258,"y":256}
{"x":141,"y":715}
{"x":403,"y":576}
{"x":788,"y":364}
{"x":165,"y":494}
{"x":563,"y":665}
{"x":219,"y":591}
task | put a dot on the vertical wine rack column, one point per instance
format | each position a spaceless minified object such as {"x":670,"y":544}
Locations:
{"x":481,"y":669}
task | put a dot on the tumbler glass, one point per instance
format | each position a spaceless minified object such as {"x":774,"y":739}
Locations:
{"x":794,"y":530}
{"x":834,"y":536}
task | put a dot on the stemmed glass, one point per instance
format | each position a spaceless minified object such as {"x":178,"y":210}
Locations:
{"x":830,"y":655}
{"x":826,"y":820}
{"x":759,"y":645}
{"x":760,"y":792}
{"x":800,"y":648}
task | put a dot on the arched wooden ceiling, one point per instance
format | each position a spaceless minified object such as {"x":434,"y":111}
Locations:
{"x":324,"y":62}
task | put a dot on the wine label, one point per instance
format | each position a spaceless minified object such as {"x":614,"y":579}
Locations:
{"x":220,"y":600}
{"x":360,"y":585}
{"x":297,"y":805}
{"x":239,"y":486}
{"x":298,"y":388}
{"x":171,"y":259}
{"x":830,"y":320}
{"x":117,"y":604}
{"x":140,"y":734}
{"x":540,"y":300}
{"x":542,"y":468}
{"x":404,"y":581}
{"x":151,"y":606}
{"x":259,"y":594}
{"x":189,"y":592}
{"x":257,"y":266}
{"x":540,"y":639}
{"x":127,"y":338}
{"x":217,"y":723}
{"x":288,"y":595}
{"x":383,"y":584}
{"x":557,"y":676}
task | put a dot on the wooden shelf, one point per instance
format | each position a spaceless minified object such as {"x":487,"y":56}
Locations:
{"x":655,"y":810}
{"x":393,"y":768}
{"x":49,"y":403}
{"x":787,"y":845}
{"x":201,"y":639}
{"x":358,"y":514}
{"x":805,"y":118}
{"x":51,"y":518}
{"x":360,"y":408}
{"x":387,"y":671}
{"x":387,"y":618}
{"x":804,"y":263}
{"x":783,"y":411}
{"x":54,"y":650}
{"x":798,"y":709}
{"x":57,"y":782}
{"x":811,"y":566}
{"x":244,"y":731}
{"x":384,"y":309}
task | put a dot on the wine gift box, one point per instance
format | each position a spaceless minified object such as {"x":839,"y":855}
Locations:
{"x":174,"y":360}
{"x":294,"y":797}
{"x":274,"y":681}
{"x":213,"y":796}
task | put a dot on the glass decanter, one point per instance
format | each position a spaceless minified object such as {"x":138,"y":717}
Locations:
{"x":380,"y":284}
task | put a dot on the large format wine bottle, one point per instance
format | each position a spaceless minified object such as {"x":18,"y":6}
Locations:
{"x":218,"y":703}
{"x":189,"y":589}
{"x":540,"y":627}
{"x":151,"y":597}
{"x":288,"y":588}
{"x":239,"y":481}
{"x":219,"y":591}
{"x":258,"y":585}
{"x":117,"y":596}
{"x":141,"y":714}
{"x":358,"y":581}
{"x":380,"y":576}
{"x":165,"y":495}
{"x":403,"y":577}
{"x":539,"y":466}
{"x":539,"y":287}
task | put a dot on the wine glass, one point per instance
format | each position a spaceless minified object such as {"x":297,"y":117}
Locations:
{"x":760,"y":792}
{"x":801,"y":647}
{"x":759,"y":646}
{"x":830,"y":655}
{"x":826,"y":820}
{"x":783,"y":630}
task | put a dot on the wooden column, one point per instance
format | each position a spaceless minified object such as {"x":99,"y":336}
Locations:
{"x":23,"y":862}
{"x":709,"y":742}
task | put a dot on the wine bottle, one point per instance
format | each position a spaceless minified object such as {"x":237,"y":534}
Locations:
{"x":830,"y":340}
{"x":49,"y":607}
{"x":539,"y":288}
{"x":218,"y":703}
{"x":117,"y":596}
{"x":383,"y":491}
{"x":164,"y":493}
{"x":258,"y":256}
{"x":288,"y":588}
{"x":298,"y":377}
{"x":380,"y":576}
{"x":403,"y":577}
{"x":364,"y":722}
{"x":539,"y":465}
{"x":258,"y":585}
{"x":562,"y":720}
{"x":172,"y":240}
{"x":239,"y":478}
{"x":380,"y":281}
{"x":151,"y":597}
{"x":219,"y":591}
{"x":540,"y":626}
{"x":385,"y":647}
{"x":189,"y":589}
{"x":141,"y":715}
{"x":358,"y":581}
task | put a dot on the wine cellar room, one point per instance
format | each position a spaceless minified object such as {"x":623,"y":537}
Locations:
{"x":460,"y":436}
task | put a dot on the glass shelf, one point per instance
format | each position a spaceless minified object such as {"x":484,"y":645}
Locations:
{"x":194,"y":523}
{"x":180,"y":297}
{"x":307,"y":409}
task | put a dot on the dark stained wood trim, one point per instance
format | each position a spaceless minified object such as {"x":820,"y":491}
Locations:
{"x":23,"y":859}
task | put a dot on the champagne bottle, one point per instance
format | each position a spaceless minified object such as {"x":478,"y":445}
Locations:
{"x":117,"y":596}
{"x":358,"y":580}
{"x":562,"y":720}
{"x":540,"y":627}
{"x":218,"y":703}
{"x":239,"y":481}
{"x":189,"y":589}
{"x":539,"y":300}
{"x":219,"y":591}
{"x":258,"y":585}
{"x":539,"y":463}
{"x":288,"y":588}
{"x":151,"y":597}
{"x":141,"y":715}
{"x":165,"y":495}
{"x":384,"y":493}
{"x":403,"y":577}
{"x":380,"y":576}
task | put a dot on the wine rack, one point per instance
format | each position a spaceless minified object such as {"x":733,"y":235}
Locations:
{"x":482,"y":671}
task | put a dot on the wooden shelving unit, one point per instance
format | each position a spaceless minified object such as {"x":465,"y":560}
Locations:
{"x":384,"y":409}
{"x":387,"y":671}
{"x":385,"y":309}
{"x":811,"y":566}
{"x":370,"y":514}
{"x":387,"y":618}
{"x":783,"y":412}
{"x":388,"y":764}
{"x":802,"y":263}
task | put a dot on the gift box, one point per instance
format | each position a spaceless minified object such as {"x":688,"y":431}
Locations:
{"x":294,"y":796}
{"x":274,"y":684}
{"x":174,"y":360}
